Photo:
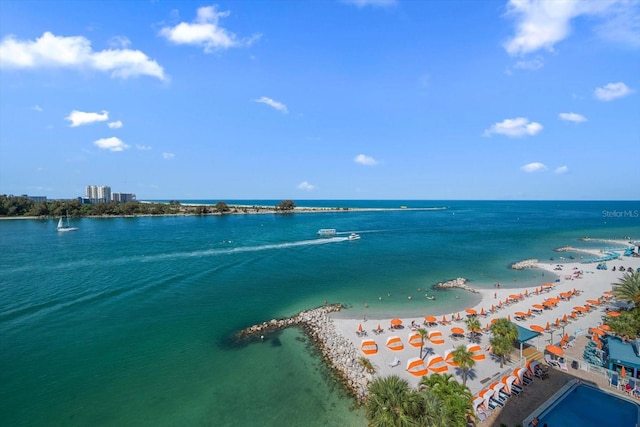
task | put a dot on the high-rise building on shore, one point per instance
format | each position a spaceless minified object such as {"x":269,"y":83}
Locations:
{"x":123,"y":197}
{"x":98,"y":193}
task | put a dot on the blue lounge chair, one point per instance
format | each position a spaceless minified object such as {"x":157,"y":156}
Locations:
{"x":614,"y":380}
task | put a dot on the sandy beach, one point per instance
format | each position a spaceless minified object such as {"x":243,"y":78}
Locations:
{"x":563,"y":276}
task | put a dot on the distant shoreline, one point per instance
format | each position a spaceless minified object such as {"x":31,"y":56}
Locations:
{"x":241,"y":210}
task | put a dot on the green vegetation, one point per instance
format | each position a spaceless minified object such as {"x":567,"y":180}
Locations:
{"x":627,"y":289}
{"x":367,"y":365}
{"x":425,"y":337}
{"x":286,"y":205}
{"x":505,"y":334}
{"x":12,"y":206}
{"x":441,"y":401}
{"x":463,"y":358}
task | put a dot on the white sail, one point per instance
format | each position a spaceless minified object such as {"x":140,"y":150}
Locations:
{"x":62,"y":227}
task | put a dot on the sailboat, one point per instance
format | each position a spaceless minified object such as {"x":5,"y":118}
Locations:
{"x":62,"y":227}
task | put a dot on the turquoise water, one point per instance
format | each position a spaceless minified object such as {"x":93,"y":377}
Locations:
{"x":127,"y":320}
{"x":589,"y":407}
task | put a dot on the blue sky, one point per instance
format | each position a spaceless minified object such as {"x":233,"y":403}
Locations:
{"x":359,"y":99}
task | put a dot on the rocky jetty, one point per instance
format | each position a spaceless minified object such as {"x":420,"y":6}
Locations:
{"x":527,"y":263}
{"x":460,"y":283}
{"x":565,"y":249}
{"x":337,"y":350}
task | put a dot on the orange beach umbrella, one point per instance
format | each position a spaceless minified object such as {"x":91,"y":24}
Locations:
{"x":482,"y":311}
{"x":396,"y":322}
{"x":553,"y":349}
{"x":513,"y":296}
{"x":605,"y":327}
{"x":458,"y":331}
{"x":623,"y":372}
{"x":520,"y":314}
{"x":613,"y":313}
{"x":471,"y":311}
{"x":546,"y":328}
{"x":536,"y":328}
{"x":360,"y":327}
{"x":444,"y":318}
{"x":430,"y":319}
{"x":538,"y":306}
{"x":597,"y":331}
{"x":593,"y":301}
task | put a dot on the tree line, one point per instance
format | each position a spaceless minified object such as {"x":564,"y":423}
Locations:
{"x":16,"y":206}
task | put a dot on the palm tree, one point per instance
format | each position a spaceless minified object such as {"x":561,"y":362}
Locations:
{"x":434,"y":413}
{"x":628,"y":288}
{"x":473,"y":324}
{"x":425,"y":337}
{"x":455,"y":397}
{"x":505,"y":334}
{"x":463,"y":358}
{"x":392,"y":403}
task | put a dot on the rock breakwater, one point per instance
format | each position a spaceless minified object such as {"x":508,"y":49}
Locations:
{"x":460,"y":283}
{"x":527,"y":263}
{"x":337,"y":350}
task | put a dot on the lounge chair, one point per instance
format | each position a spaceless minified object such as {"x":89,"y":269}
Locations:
{"x":563,"y":365}
{"x":526,"y":380}
{"x":614,"y":380}
{"x":631,"y":386}
{"x":551,"y":362}
{"x":495,"y":401}
{"x":394,"y":362}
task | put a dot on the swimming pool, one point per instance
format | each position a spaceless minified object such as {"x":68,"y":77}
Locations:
{"x":586,"y":406}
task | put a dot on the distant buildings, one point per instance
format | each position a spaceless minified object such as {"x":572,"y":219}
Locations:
{"x":98,"y":193}
{"x":102,"y":194}
{"x":123,"y":197}
{"x":37,"y":199}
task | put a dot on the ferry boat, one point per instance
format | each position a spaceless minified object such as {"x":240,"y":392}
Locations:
{"x":327,"y":232}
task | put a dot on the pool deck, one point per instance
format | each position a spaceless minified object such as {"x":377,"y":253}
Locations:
{"x":517,"y":409}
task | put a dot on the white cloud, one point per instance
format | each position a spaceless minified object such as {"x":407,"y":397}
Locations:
{"x":168,"y":156}
{"x":115,"y":125}
{"x":365,"y":160}
{"x":37,"y":108}
{"x":572,"y":117}
{"x":304,"y":185}
{"x":205,"y":31}
{"x":561,"y":170}
{"x":375,"y":3}
{"x":111,"y":144}
{"x":612,"y":91}
{"x":540,"y":24}
{"x":274,"y":104}
{"x":534,"y":167}
{"x":78,"y":118}
{"x":51,"y":51}
{"x":514,"y":128}
{"x":143,"y":147}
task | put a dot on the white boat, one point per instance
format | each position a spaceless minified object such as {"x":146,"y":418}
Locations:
{"x":62,"y":227}
{"x":354,"y":236}
{"x":327,"y":232}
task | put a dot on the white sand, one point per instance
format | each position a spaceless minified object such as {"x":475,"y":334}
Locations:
{"x":593,"y":283}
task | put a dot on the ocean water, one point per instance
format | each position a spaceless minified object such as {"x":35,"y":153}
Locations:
{"x":127,"y":321}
